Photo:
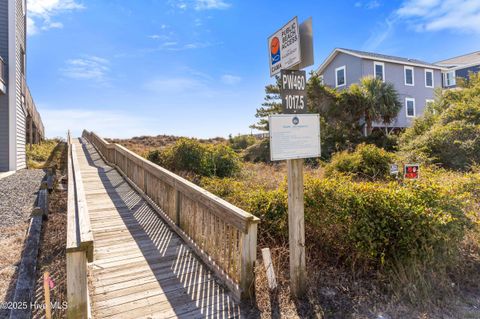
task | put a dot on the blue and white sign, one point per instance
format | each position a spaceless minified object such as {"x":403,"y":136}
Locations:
{"x":294,"y":136}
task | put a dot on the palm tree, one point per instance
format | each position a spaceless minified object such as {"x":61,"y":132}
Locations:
{"x":376,"y":100}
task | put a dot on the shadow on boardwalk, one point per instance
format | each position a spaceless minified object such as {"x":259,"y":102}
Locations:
{"x":166,"y":280}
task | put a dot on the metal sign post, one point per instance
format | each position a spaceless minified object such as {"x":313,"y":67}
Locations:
{"x":294,"y":136}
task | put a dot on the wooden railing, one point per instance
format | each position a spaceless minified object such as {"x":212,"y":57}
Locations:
{"x":32,"y":109}
{"x":222,"y":235}
{"x":79,"y":240}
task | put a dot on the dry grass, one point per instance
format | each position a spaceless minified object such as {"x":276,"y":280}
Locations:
{"x":11,"y":244}
{"x":52,"y":254}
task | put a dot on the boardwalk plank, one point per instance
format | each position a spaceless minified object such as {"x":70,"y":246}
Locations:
{"x":141,"y":267}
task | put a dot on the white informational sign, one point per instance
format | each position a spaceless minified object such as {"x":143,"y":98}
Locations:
{"x":284,"y":47}
{"x":294,"y":136}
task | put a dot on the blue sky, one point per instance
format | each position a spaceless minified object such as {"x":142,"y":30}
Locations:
{"x":199,"y":67}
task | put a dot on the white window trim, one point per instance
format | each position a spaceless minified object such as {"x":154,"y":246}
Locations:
{"x":405,"y":68}
{"x":321,"y":79}
{"x":375,"y":63}
{"x":454,"y":80}
{"x":407,"y":99}
{"x":344,"y":68}
{"x":433,"y":80}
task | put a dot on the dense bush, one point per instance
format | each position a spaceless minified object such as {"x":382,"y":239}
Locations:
{"x":369,"y":223}
{"x":449,"y":132}
{"x":189,"y":155}
{"x":241,"y":142}
{"x":259,"y":152}
{"x":367,"y":161}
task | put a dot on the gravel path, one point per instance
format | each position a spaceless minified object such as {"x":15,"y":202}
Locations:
{"x":18,"y":193}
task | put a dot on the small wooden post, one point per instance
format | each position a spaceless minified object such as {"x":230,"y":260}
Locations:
{"x":46,"y":289}
{"x":249,"y":254}
{"x":296,"y":227}
{"x":267,"y":262}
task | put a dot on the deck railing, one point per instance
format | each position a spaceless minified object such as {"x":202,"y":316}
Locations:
{"x":79,"y":240}
{"x":32,"y":108}
{"x":222,"y":235}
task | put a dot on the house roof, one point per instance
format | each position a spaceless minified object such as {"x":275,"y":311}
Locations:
{"x":377,"y":57}
{"x":462,"y":60}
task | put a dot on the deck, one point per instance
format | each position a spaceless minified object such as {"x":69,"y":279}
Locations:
{"x":141,"y":267}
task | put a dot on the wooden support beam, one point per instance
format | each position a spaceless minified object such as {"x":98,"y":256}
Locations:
{"x":248,"y":257}
{"x":77,"y":293}
{"x":296,"y":227}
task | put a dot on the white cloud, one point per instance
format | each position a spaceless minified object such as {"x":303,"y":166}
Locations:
{"x":373,"y":4}
{"x":230,"y":79}
{"x":211,"y":4}
{"x":175,"y":85}
{"x":438,"y":15}
{"x":200,"y":4}
{"x":381,"y":32}
{"x":42,"y":12}
{"x":87,"y":68}
{"x":105,"y":122}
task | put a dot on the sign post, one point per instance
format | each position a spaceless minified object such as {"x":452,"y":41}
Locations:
{"x":294,"y":135}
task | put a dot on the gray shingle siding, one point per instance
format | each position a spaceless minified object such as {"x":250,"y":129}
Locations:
{"x":18,"y":138}
{"x":4,"y":119}
{"x":356,"y":68}
{"x":464,"y":72}
{"x":20,"y":108}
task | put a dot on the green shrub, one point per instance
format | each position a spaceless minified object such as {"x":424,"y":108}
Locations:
{"x":259,"y":152}
{"x":367,"y":161}
{"x":189,"y":155}
{"x":241,"y":142}
{"x":375,"y":224}
{"x":154,"y":156}
{"x":449,"y":132}
{"x":380,"y":223}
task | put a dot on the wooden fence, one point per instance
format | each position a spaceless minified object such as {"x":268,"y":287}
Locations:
{"x":222,"y":235}
{"x":79,"y":240}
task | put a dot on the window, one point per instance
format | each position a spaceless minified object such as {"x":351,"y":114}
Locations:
{"x":340,"y":76}
{"x":379,"y":70}
{"x":409,"y":78}
{"x":410,"y":106}
{"x":428,"y":78}
{"x":449,"y":78}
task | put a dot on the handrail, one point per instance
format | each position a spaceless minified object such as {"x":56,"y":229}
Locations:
{"x":223,"y":235}
{"x":79,"y":239}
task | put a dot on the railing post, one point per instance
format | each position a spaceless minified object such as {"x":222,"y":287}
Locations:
{"x":178,"y":207}
{"x":249,"y":254}
{"x":77,"y":293}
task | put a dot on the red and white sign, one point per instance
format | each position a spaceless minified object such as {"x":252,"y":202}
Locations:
{"x":411,"y":171}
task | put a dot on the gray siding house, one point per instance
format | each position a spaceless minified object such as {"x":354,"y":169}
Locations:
{"x":20,"y":122}
{"x":459,"y":67}
{"x":414,"y":80}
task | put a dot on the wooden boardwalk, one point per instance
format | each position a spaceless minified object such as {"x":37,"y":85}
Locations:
{"x":141,"y":268}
